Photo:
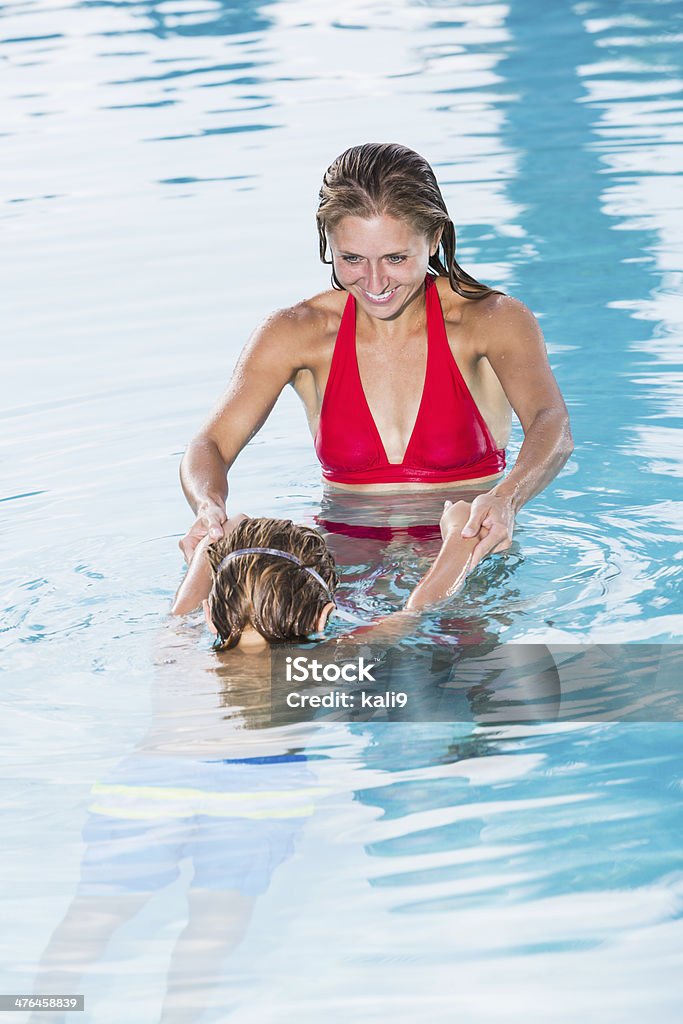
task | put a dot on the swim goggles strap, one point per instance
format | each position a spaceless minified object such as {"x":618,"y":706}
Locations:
{"x":279,"y":554}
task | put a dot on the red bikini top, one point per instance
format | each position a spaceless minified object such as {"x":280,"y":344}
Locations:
{"x":450,"y":440}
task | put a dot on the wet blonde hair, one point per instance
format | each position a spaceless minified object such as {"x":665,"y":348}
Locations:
{"x":275,"y":596}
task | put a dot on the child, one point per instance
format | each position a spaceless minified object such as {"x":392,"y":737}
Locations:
{"x":270,"y":580}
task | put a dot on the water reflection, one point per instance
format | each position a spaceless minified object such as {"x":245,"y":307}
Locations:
{"x":167,"y":18}
{"x":591,"y":257}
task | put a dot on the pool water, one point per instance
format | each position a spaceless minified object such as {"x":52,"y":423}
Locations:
{"x":170,"y":851}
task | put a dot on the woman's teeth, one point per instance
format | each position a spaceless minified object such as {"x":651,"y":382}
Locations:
{"x":384,"y":297}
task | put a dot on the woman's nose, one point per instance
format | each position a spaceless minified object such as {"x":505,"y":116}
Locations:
{"x":376,"y":280}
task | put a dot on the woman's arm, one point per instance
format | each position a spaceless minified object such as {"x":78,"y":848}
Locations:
{"x":270,"y":360}
{"x":513,"y":343}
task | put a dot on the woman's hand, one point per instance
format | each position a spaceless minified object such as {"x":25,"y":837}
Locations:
{"x":492,"y":520}
{"x":211,"y":522}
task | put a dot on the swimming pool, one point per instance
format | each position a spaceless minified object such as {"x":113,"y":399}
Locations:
{"x":165,"y":161}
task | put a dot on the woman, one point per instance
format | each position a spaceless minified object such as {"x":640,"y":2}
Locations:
{"x":408,"y":368}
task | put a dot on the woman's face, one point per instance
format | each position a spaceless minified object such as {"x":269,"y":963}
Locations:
{"x":382,"y":262}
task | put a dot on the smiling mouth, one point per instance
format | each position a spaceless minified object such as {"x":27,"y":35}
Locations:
{"x":384,"y":297}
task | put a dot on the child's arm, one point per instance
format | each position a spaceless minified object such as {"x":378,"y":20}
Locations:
{"x":446,"y":576}
{"x":452,"y":564}
{"x":196,"y":585}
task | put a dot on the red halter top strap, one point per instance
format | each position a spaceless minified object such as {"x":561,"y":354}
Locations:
{"x":450,"y":439}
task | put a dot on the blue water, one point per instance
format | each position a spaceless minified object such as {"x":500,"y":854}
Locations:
{"x":162,"y":162}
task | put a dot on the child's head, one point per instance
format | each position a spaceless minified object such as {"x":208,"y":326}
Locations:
{"x":283,"y":596}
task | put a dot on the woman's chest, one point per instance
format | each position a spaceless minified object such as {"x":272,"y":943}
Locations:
{"x":394,"y":385}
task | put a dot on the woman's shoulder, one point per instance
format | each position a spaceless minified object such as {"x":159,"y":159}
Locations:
{"x":307,"y":321}
{"x":497,"y":307}
{"x":328,"y":304}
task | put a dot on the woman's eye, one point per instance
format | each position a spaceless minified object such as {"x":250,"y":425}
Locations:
{"x":357,"y":259}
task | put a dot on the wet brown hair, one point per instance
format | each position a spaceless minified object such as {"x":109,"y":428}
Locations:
{"x":272,"y":594}
{"x":385,"y":178}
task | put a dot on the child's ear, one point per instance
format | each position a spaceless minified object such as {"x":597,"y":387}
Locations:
{"x":207,"y":616}
{"x":324,"y":616}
